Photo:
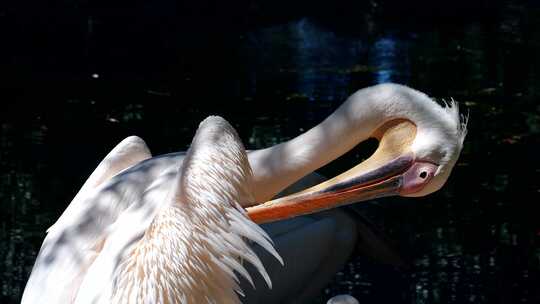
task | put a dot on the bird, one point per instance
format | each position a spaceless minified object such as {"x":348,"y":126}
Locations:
{"x":189,"y":250}
{"x":117,"y":207}
{"x":419,"y":143}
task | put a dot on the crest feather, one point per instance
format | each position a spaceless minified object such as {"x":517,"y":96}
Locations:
{"x":461,"y":120}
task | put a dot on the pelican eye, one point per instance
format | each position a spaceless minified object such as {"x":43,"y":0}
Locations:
{"x":423,"y":174}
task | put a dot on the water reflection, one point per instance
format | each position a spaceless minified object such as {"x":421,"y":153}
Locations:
{"x":322,"y":70}
{"x":317,"y":62}
{"x":389,"y":57}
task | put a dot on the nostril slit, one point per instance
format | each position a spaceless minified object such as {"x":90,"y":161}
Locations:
{"x":423,"y":174}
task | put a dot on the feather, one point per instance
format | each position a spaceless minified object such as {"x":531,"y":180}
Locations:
{"x":193,"y":247}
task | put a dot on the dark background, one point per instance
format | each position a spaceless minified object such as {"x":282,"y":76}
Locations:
{"x":76,"y":77}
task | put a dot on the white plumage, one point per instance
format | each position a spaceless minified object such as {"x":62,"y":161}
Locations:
{"x":186,"y":249}
{"x":172,"y":228}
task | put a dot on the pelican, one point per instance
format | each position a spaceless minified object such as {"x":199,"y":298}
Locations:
{"x":125,"y":239}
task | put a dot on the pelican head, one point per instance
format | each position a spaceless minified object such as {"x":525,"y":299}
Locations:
{"x":436,"y":146}
{"x":419,"y":144}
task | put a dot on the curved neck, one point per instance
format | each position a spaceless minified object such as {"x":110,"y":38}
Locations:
{"x":354,"y":121}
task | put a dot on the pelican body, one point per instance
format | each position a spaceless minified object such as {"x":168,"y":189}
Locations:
{"x":173,"y":228}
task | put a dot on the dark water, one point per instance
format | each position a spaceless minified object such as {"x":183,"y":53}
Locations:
{"x":76,"y":79}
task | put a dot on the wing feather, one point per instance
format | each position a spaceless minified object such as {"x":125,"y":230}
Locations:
{"x":78,"y":236}
{"x":127,"y":153}
{"x":191,"y":247}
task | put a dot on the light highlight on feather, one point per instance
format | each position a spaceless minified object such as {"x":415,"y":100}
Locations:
{"x":193,"y":249}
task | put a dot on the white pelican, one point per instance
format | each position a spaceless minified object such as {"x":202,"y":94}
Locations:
{"x":89,"y":252}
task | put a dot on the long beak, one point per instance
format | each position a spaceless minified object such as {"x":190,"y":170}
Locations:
{"x":381,"y":175}
{"x":347,"y":188}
